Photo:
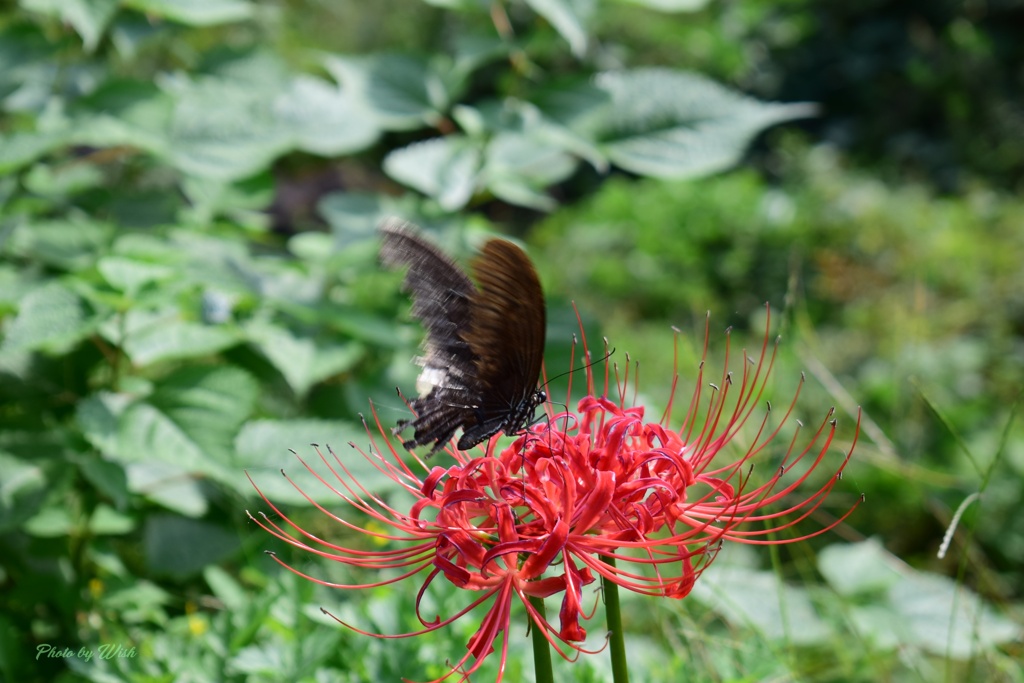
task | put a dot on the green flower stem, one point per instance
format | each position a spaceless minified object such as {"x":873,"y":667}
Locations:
{"x":541,"y":647}
{"x":616,"y":641}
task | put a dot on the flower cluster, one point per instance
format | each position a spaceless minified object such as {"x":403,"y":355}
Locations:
{"x":596,"y":492}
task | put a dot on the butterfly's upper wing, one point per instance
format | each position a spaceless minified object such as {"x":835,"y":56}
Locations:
{"x":441,"y":300}
{"x":506,"y":335}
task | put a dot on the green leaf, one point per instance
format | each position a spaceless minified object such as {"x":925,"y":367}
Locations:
{"x":29,"y":68}
{"x":224,"y":130}
{"x":98,"y":416}
{"x":156,"y":336}
{"x":60,"y":181}
{"x":70,"y":244}
{"x":263,"y":446}
{"x":130,"y":275}
{"x":325,"y":120}
{"x":670,"y":5}
{"x":354,"y":216}
{"x":51,"y":522}
{"x":146,"y":434}
{"x":18,"y":150}
{"x":569,"y":17}
{"x":22,"y":491}
{"x":169,"y":486}
{"x":853,"y":568}
{"x":209,"y":404}
{"x":518,"y":166}
{"x":403,"y":92}
{"x":123,"y":112}
{"x":673,"y":124}
{"x":88,"y":17}
{"x":182,"y":547}
{"x":106,"y":521}
{"x":300,"y":360}
{"x":442,"y":168}
{"x":946,"y":619}
{"x":758,"y":599}
{"x":108,"y":477}
{"x":51,"y":319}
{"x":194,"y":12}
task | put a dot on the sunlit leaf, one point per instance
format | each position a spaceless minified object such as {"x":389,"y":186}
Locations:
{"x":151,"y":337}
{"x":759,"y":599}
{"x":51,"y":318}
{"x":442,"y":168}
{"x":852,"y":568}
{"x":670,"y":5}
{"x":21,"y":149}
{"x":300,"y":360}
{"x":569,"y":17}
{"x":263,"y":448}
{"x":88,"y":17}
{"x":946,"y":619}
{"x":194,"y":12}
{"x":673,"y":124}
{"x":402,"y":91}
{"x":325,"y":120}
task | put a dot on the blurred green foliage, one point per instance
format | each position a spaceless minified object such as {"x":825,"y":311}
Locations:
{"x":188,"y":288}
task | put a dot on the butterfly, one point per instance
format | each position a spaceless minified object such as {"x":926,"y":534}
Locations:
{"x":485,"y":341}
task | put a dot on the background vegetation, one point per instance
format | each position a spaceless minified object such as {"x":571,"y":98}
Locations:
{"x":188,"y":288}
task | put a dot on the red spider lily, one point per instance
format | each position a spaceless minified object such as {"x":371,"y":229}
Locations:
{"x":596,"y":492}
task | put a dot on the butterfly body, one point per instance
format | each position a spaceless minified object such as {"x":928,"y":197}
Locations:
{"x":485,"y":341}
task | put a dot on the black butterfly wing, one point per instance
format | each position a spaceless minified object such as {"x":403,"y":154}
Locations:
{"x":442,"y":297}
{"x":506,"y":335}
{"x":484,"y":347}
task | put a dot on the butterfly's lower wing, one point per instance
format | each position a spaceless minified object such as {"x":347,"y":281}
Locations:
{"x":441,"y":300}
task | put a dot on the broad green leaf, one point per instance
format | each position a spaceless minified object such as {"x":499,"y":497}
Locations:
{"x":23,"y":488}
{"x":145,"y":434}
{"x":21,"y":149}
{"x":123,"y":113}
{"x":442,"y":168}
{"x":300,"y":360}
{"x":758,"y":599}
{"x":569,"y":17}
{"x":108,"y":478}
{"x":51,"y":522}
{"x":98,"y":417}
{"x":354,"y":216}
{"x":51,"y":319}
{"x":325,"y":120}
{"x":130,"y":275}
{"x":949,"y":620}
{"x":264,"y":449}
{"x":480,"y":5}
{"x":670,"y":5}
{"x":182,"y":547}
{"x":59,"y":181}
{"x":105,"y":520}
{"x":224,"y":130}
{"x":70,"y":244}
{"x":169,"y":486}
{"x":209,"y":404}
{"x":402,"y":91}
{"x":244,"y":201}
{"x":517,"y":168}
{"x":673,"y":124}
{"x":88,"y":17}
{"x":29,"y":67}
{"x":853,"y":568}
{"x":195,"y":12}
{"x":152,"y":337}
